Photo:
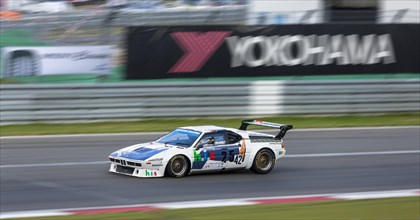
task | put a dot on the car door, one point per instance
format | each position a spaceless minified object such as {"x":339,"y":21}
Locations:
{"x":210,"y":151}
{"x":219,"y":150}
{"x":236,"y":151}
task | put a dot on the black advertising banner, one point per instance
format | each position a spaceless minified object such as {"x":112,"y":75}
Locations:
{"x":280,"y":50}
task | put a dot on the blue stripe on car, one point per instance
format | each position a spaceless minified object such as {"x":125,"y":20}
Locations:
{"x":142,"y":153}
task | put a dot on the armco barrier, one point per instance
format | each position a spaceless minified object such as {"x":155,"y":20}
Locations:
{"x":55,"y":103}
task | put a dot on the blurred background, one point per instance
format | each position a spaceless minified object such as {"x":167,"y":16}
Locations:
{"x":154,"y":65}
{"x":91,"y":42}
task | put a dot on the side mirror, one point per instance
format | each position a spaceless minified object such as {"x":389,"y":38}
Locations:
{"x":199,"y":146}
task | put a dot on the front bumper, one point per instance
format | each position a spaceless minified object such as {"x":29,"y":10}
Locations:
{"x":136,"y":168}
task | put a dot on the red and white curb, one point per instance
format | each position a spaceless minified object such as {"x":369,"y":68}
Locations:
{"x":213,"y":203}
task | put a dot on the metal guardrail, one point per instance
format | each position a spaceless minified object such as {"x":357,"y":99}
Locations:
{"x":62,"y":103}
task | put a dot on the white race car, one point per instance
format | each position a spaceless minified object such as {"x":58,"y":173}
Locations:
{"x":196,"y":149}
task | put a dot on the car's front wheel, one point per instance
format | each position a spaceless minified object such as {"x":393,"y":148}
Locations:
{"x":264,"y":162}
{"x":177,"y":166}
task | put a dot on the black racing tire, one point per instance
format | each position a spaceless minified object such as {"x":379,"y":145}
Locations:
{"x":264,"y":162}
{"x":177,"y":166}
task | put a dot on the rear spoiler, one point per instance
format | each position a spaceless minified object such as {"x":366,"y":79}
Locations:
{"x":283,"y":127}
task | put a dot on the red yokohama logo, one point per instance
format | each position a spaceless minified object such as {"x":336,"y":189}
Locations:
{"x":198,"y":47}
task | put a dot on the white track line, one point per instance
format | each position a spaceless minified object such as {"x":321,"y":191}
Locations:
{"x":376,"y":195}
{"x":287,"y":156}
{"x":216,"y":203}
{"x":32,"y":214}
{"x":161,"y":133}
{"x":353,"y":154}
{"x":52,"y":164}
{"x":204,"y":204}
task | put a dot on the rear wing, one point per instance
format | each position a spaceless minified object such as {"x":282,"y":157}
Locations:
{"x":283,"y":127}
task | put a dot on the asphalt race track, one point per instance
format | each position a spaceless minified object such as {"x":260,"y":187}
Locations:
{"x":72,"y":172}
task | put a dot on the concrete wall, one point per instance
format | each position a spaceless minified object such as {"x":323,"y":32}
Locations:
{"x":291,"y":11}
{"x":389,"y":9}
{"x":283,"y":11}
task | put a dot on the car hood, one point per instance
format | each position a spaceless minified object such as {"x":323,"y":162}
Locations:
{"x":141,"y":151}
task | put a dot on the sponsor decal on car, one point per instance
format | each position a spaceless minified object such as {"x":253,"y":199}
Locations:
{"x":203,"y":155}
{"x":242,"y":150}
{"x":282,"y":152}
{"x":156,"y":159}
{"x":150,"y":173}
{"x":214,"y":165}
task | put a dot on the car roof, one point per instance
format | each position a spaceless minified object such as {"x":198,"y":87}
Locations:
{"x":206,"y":128}
{"x":212,"y":128}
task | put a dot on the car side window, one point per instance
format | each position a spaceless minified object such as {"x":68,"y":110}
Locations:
{"x":213,"y":139}
{"x":233,"y":137}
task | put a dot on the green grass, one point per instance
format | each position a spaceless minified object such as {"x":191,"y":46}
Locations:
{"x":373,"y":209}
{"x":169,"y":124}
{"x":297,"y":77}
{"x":117,"y":75}
{"x":18,"y":38}
{"x":7,"y":81}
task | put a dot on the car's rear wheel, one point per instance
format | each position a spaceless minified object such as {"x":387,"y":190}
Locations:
{"x":177,"y":166}
{"x":264,"y":162}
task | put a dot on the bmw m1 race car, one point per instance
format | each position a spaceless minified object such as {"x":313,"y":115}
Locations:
{"x":196,"y":149}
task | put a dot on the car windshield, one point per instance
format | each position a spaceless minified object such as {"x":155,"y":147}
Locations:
{"x":180,"y":137}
